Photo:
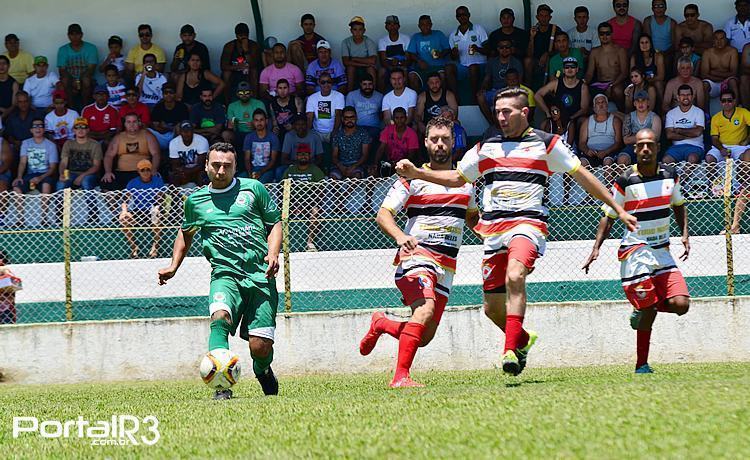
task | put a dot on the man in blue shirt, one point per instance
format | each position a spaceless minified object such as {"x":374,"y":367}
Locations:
{"x":368,"y":103}
{"x":261,"y":149}
{"x":140,"y":208}
{"x":428,"y":52}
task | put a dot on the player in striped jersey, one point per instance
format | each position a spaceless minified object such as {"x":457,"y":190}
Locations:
{"x":515,"y":167}
{"x":650,"y":278}
{"x":427,"y":253}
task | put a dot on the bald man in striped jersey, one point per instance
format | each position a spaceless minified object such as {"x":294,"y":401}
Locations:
{"x":650,"y":277}
{"x":516,"y":167}
{"x":427,"y":253}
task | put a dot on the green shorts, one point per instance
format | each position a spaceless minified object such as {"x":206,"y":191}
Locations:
{"x":251,"y":305}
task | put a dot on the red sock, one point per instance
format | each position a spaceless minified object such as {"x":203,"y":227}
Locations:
{"x":408,"y":343}
{"x":515,"y":336}
{"x":643,"y":340}
{"x":390,"y":327}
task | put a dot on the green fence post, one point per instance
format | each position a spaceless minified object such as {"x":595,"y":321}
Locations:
{"x":66,"y":254}
{"x":728,"y":225}
{"x":287,"y":184}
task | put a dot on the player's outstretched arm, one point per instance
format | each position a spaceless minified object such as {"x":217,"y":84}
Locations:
{"x":274,"y":247}
{"x":181,"y":246}
{"x":680,"y":215}
{"x":448,"y":177}
{"x":388,"y":224}
{"x":602,"y":233}
{"x":595,"y":188}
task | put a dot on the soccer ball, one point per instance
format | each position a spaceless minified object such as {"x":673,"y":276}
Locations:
{"x":220,"y":368}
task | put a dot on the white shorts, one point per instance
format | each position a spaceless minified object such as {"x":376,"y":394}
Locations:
{"x":714,"y":88}
{"x":495,"y":243}
{"x":735,"y":151}
{"x":650,"y":276}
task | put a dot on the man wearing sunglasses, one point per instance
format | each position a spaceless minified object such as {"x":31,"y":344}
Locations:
{"x":699,"y":30}
{"x":134,"y":60}
{"x":240,"y":114}
{"x":133,"y":105}
{"x":625,"y":28}
{"x":36,"y":169}
{"x":166,"y":115}
{"x":141,"y":207}
{"x":609,"y":63}
{"x":494,"y":79}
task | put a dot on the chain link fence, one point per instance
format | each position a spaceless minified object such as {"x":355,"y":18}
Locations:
{"x":82,"y":258}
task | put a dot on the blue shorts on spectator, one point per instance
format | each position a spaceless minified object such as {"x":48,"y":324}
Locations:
{"x":681,"y":152}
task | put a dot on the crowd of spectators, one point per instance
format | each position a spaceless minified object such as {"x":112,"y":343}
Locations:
{"x":91,"y":121}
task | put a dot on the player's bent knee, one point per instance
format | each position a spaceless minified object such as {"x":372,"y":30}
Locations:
{"x":221,"y":314}
{"x":679,"y":305}
{"x":260,"y":347}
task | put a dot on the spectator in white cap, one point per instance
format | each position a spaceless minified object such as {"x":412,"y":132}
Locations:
{"x":325,"y":64}
{"x":601,"y":135}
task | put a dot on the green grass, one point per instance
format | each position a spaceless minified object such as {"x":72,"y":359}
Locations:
{"x":682,"y":411}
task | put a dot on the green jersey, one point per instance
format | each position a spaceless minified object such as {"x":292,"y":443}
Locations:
{"x":232,"y":224}
{"x":242,"y":114}
{"x":311,"y":174}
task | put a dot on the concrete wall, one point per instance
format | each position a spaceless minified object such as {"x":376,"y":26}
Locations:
{"x":570,"y":335}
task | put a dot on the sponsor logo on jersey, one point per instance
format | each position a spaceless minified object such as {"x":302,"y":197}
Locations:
{"x":424,"y":281}
{"x":486,"y":271}
{"x":244,"y":199}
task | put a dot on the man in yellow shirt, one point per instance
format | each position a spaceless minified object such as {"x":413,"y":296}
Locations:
{"x":729,"y":139}
{"x":729,"y":130}
{"x":21,"y":62}
{"x":134,"y":60}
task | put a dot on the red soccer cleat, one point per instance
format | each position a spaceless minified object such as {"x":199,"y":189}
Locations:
{"x":371,"y":338}
{"x":405,"y":382}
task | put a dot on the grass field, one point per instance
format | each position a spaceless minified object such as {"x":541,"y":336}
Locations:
{"x":682,"y":411}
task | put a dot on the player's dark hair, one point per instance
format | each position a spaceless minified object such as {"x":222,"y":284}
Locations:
{"x":399,"y":110}
{"x":518,"y":94}
{"x":145,"y":27}
{"x":260,"y":112}
{"x":349,"y":108}
{"x":425,"y":17}
{"x":5,"y":58}
{"x":365,"y":77}
{"x":687,"y":41}
{"x":723,"y":92}
{"x":148,"y":55}
{"x":580,"y":9}
{"x":223,"y":147}
{"x":398,"y":70}
{"x":305,"y":17}
{"x":282,"y":80}
{"x":439,"y":122}
{"x":691,"y":6}
{"x":685,"y":88}
{"x":561,"y":33}
{"x":111,"y":67}
{"x":620,"y":1}
{"x":37,"y":119}
{"x":604,"y":25}
{"x":433,"y":75}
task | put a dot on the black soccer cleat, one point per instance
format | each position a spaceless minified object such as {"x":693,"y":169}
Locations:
{"x":223,"y":394}
{"x":269,"y":383}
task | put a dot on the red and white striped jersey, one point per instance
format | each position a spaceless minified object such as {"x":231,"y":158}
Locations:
{"x":650,"y":199}
{"x":516,"y":171}
{"x":436,"y":218}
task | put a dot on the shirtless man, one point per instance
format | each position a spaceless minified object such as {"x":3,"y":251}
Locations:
{"x":699,"y":30}
{"x":684,"y":77}
{"x":719,"y":67}
{"x":745,"y":76}
{"x":609,"y":63}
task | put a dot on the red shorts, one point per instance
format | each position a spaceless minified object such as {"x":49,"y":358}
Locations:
{"x":521,"y":249}
{"x":653,"y":290}
{"x":421,"y":285}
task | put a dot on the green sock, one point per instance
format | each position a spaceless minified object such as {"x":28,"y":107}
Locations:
{"x":219,"y":337}
{"x":260,"y":365}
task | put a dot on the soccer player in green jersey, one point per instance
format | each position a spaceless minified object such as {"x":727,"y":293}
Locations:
{"x":232,"y":216}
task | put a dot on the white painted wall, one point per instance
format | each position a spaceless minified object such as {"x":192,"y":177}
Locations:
{"x":570,"y":335}
{"x":334,"y":270}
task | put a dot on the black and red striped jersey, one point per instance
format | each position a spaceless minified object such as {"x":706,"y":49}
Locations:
{"x":650,"y":199}
{"x":436,"y":217}
{"x":516,"y":171}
